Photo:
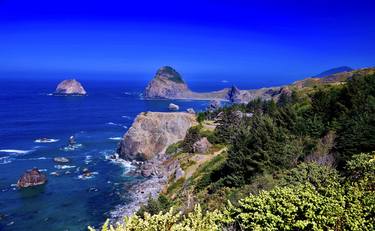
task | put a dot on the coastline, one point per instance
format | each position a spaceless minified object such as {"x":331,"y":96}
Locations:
{"x":140,"y":192}
{"x":155,"y":174}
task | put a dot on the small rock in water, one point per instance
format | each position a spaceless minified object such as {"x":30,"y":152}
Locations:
{"x":61,"y":160}
{"x":55,"y":174}
{"x":93,"y":189}
{"x":70,"y":87}
{"x":173,"y":107}
{"x":86,"y":172}
{"x":32,"y":178}
{"x":71,"y":141}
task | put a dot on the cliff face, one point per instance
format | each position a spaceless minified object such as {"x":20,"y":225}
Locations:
{"x":70,"y":87}
{"x":152,"y":132}
{"x":167,"y":83}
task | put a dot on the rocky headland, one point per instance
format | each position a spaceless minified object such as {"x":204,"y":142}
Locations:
{"x":169,"y":84}
{"x":70,"y":87}
{"x":146,"y":141}
{"x":144,"y":145}
{"x":152,"y":132}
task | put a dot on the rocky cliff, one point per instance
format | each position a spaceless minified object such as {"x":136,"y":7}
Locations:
{"x":70,"y":87}
{"x":152,"y":132}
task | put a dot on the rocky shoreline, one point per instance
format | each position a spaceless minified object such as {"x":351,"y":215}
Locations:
{"x":139,"y":193}
{"x":155,"y":173}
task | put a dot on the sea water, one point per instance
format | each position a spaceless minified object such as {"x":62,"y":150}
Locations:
{"x":68,"y":201}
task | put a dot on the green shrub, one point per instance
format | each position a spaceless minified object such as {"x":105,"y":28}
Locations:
{"x":172,"y":221}
{"x":154,"y":206}
{"x":192,"y":136}
{"x":291,"y":208}
{"x":173,"y":148}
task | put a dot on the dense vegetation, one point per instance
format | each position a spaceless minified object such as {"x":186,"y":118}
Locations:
{"x":305,"y":162}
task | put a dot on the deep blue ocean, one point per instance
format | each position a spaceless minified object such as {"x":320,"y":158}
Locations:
{"x":68,"y":201}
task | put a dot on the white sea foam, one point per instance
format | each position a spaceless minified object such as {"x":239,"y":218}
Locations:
{"x":15,"y":151}
{"x":114,"y":124}
{"x":44,"y":140}
{"x":5,"y":160}
{"x":115,"y":159}
{"x":88,"y":159}
{"x":72,"y":147}
{"x":126,"y":117}
{"x":36,"y":158}
{"x":115,"y":138}
{"x":64,"y":166}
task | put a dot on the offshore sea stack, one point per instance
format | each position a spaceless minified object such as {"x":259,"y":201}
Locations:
{"x":70,"y":87}
{"x":167,"y":84}
{"x":152,"y":132}
{"x":32,"y":178}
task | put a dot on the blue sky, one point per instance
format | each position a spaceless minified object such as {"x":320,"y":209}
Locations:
{"x":256,"y":40}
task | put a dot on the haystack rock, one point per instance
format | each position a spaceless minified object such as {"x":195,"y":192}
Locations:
{"x":70,"y":87}
{"x":32,"y":178}
{"x":152,"y":132}
{"x":167,"y":84}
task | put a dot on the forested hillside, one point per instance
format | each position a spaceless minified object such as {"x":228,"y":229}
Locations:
{"x":305,"y":162}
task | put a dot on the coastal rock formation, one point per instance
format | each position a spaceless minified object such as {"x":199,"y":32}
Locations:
{"x":173,"y":107}
{"x":202,"y":145}
{"x":214,"y":105}
{"x":152,"y":132}
{"x":70,"y":87}
{"x":234,"y":95}
{"x":32,"y":178}
{"x":179,"y":173}
{"x":166,"y":84}
{"x":61,"y":160}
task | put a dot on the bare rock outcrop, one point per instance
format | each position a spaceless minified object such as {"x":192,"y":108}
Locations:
{"x":31,"y":178}
{"x":152,"y":132}
{"x":70,"y":87}
{"x":202,"y":145}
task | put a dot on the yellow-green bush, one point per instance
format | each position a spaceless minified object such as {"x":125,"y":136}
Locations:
{"x":171,"y":221}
